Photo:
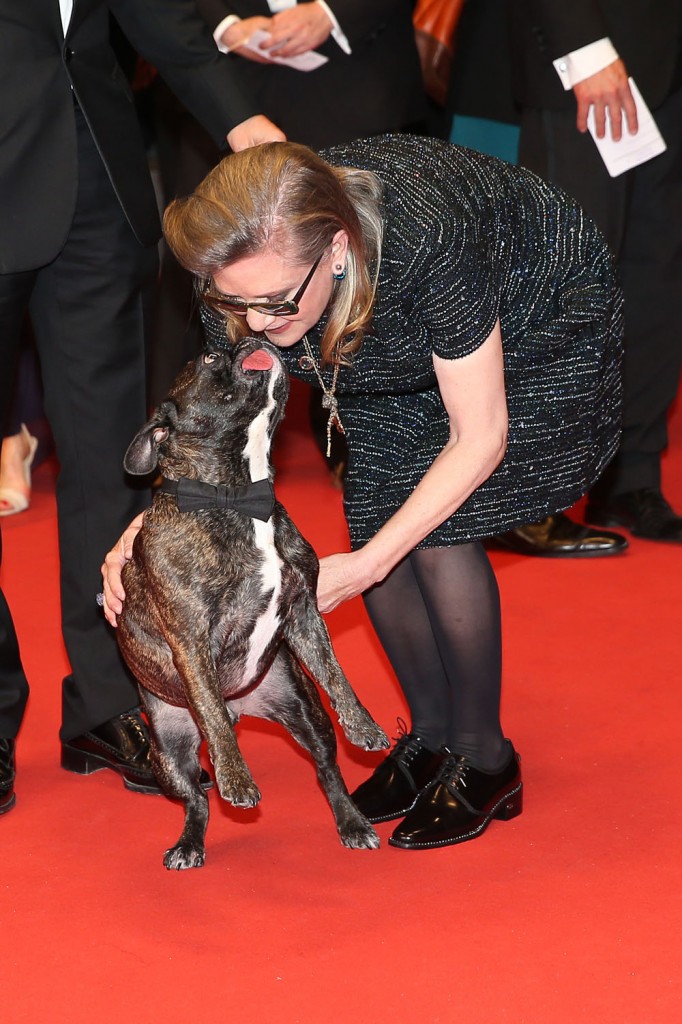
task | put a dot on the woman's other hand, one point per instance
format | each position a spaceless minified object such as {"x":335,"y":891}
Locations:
{"x":122,"y":552}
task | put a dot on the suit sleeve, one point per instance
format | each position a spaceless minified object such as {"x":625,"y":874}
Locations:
{"x":171,"y":36}
{"x":213,"y":11}
{"x":566,"y":25}
{"x":361,"y":19}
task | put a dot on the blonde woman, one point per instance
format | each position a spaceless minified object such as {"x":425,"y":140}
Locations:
{"x":463,"y":321}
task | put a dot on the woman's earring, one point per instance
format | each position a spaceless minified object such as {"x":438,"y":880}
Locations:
{"x":339,"y":272}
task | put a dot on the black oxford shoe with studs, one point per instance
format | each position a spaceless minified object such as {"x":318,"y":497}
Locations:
{"x":460,"y":804}
{"x":397,"y":782}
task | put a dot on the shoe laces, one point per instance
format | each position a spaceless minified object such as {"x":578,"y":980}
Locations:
{"x":453,"y":770}
{"x":407,"y":745}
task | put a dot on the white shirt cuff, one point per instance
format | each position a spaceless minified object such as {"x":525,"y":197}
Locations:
{"x":222,"y":27}
{"x":337,"y":34}
{"x":586,"y":61}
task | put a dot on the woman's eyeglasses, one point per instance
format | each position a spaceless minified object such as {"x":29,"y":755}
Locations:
{"x":287,"y":307}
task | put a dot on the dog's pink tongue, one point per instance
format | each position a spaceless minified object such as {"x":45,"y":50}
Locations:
{"x":258,"y":360}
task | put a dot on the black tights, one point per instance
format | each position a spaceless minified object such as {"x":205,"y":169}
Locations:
{"x":437,"y":616}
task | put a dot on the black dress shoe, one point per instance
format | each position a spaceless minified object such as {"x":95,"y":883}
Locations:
{"x":644,"y":512}
{"x":460,"y":804}
{"x":397,"y":782}
{"x":558,"y":536}
{"x":121,"y":744}
{"x":7,"y":795}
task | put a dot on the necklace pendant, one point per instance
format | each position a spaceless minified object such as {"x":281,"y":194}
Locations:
{"x":306,"y":363}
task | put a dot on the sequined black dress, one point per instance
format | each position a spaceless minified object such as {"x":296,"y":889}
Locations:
{"x":469,"y":239}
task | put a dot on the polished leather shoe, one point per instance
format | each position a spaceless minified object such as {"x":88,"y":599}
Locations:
{"x":558,"y":536}
{"x":460,"y":804}
{"x":644,"y":512}
{"x":397,"y":782}
{"x":7,"y":795}
{"x":121,"y":744}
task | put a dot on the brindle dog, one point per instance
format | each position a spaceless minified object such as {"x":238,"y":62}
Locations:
{"x":220,"y":612}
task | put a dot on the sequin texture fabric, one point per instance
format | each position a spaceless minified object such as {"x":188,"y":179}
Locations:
{"x":469,"y":239}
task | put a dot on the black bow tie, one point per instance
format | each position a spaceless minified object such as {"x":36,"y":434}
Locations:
{"x":256,"y":500}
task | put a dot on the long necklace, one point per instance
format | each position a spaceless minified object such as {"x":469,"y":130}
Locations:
{"x":308,"y":362}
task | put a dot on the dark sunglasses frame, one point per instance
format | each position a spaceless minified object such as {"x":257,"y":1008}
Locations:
{"x":287,"y":307}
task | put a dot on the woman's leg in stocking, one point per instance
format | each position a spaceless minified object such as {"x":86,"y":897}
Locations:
{"x":461,"y":599}
{"x":401,"y":621}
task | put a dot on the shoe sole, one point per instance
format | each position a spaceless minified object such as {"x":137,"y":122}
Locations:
{"x":80,"y":763}
{"x":389,"y":817}
{"x":507,"y":807}
{"x":599,"y":553}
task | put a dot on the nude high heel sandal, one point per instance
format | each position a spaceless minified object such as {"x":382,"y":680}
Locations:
{"x":15,"y":498}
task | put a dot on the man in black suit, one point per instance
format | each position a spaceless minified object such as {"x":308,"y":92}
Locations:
{"x":371,"y":82}
{"x":567,"y":58}
{"x":80,"y":227}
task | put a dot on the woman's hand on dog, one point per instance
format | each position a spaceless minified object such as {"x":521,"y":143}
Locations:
{"x":341,"y":578}
{"x":112,"y":567}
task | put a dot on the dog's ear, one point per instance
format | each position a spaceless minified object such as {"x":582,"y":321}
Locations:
{"x":143,"y":451}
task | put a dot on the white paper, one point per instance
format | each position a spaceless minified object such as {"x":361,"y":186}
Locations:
{"x":304,"y":62}
{"x":632,"y":150}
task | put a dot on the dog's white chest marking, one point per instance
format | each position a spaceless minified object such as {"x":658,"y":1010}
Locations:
{"x":269,"y":620}
{"x":257,"y":455}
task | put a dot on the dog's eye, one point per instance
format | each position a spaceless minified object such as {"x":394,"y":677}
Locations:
{"x":210,"y":357}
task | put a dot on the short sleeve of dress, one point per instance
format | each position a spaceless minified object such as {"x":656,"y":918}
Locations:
{"x":459,"y":296}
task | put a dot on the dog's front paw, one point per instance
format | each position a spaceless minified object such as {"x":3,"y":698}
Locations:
{"x":240,"y":791}
{"x":362,"y":731}
{"x":183,"y":856}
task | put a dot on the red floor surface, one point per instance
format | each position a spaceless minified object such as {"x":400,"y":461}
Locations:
{"x":569,"y":913}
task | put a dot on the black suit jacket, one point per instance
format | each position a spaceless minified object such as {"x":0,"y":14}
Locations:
{"x":646,"y":34}
{"x":41,"y":73}
{"x":377,"y":88}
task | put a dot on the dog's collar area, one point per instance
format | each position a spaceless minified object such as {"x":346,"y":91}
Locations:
{"x":256,"y":500}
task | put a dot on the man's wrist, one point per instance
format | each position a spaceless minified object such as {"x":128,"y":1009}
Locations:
{"x":220,"y":30}
{"x":584,"y":62}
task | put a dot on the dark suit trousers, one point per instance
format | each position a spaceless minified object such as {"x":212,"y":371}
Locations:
{"x":640,"y":213}
{"x":87,"y":310}
{"x":13,"y":683}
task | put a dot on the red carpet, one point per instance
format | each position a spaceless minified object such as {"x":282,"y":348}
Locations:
{"x":569,"y":913}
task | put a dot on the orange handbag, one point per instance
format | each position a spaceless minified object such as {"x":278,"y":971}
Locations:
{"x":434,"y":23}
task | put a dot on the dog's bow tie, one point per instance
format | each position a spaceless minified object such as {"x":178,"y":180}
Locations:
{"x":256,"y":500}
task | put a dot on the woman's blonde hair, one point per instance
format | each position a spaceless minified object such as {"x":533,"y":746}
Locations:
{"x":284,"y":197}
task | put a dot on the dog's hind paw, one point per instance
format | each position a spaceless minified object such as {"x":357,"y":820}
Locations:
{"x":183,"y":856}
{"x":359,"y":836}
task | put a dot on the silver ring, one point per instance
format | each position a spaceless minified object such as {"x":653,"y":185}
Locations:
{"x":100,"y":599}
